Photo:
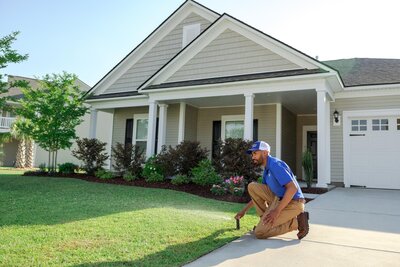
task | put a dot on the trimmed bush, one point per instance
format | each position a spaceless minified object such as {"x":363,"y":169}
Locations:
{"x":129,"y":177}
{"x":204,"y":174}
{"x":92,"y":153}
{"x":67,"y":168}
{"x":231,"y":160}
{"x":154,"y":177}
{"x":151,"y":166}
{"x":218,"y":190}
{"x":182,"y":158}
{"x":180,"y":179}
{"x":128,"y":158}
{"x":104,"y":174}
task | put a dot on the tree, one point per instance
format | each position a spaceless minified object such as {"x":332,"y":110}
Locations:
{"x":49,"y":114}
{"x":8,"y":55}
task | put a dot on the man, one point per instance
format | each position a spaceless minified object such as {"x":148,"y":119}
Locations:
{"x":278,"y":200}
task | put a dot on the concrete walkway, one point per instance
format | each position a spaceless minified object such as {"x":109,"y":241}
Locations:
{"x":348,"y":227}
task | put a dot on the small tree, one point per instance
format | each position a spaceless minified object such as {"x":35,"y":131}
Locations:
{"x":307,"y":163}
{"x":49,"y":114}
{"x":8,"y":55}
{"x":92,"y":153}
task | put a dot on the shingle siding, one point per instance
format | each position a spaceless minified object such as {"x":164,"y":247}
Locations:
{"x":159,"y":55}
{"x":231,"y":54}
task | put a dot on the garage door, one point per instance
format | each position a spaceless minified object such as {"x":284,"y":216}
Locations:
{"x":373,"y":151}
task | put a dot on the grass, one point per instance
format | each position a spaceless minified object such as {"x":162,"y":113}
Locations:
{"x":69,"y":222}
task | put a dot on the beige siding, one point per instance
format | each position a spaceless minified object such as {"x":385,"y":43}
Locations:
{"x":159,"y":55}
{"x":365,"y":103}
{"x":9,"y":150}
{"x":172,"y":125}
{"x":231,"y":54}
{"x":300,"y":122}
{"x":266,"y":116}
{"x":191,"y":123}
{"x":289,"y":138}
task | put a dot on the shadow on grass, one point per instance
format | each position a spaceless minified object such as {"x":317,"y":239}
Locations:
{"x":177,"y":255}
{"x":47,"y":201}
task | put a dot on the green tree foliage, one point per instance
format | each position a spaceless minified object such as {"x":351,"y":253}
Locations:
{"x":8,"y":55}
{"x":50,"y":113}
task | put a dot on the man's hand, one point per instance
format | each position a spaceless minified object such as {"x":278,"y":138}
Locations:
{"x":240,"y":214}
{"x":270,"y":217}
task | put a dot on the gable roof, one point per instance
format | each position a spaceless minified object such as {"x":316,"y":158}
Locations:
{"x":138,"y":52}
{"x":367,"y":71}
{"x":228,"y":22}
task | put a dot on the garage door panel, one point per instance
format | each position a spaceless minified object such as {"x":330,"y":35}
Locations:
{"x":374,"y":155}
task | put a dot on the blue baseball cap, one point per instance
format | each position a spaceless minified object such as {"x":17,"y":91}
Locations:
{"x":259,"y":145}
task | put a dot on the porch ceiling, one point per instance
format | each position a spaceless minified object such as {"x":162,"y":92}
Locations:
{"x":298,"y":102}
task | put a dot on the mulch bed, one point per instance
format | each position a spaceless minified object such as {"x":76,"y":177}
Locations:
{"x":188,"y":188}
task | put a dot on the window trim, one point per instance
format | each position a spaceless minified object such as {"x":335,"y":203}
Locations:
{"x":137,"y":117}
{"x":188,"y":28}
{"x":226,"y":118}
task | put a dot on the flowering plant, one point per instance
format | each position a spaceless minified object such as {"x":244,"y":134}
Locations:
{"x":218,"y":190}
{"x":234,"y":182}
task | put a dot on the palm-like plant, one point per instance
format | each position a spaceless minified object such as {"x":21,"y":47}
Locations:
{"x":24,"y":158}
{"x":307,"y":163}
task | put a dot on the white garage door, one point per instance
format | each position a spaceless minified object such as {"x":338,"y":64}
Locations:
{"x":373,"y":151}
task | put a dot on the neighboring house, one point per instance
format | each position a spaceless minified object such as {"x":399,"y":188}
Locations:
{"x":10,"y":148}
{"x":203,"y":76}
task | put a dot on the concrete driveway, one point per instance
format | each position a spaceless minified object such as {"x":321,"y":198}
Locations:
{"x":348,"y":227}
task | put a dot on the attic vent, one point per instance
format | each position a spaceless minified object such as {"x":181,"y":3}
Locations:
{"x":190,"y":32}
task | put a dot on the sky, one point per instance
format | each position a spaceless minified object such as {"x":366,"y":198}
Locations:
{"x":89,"y":37}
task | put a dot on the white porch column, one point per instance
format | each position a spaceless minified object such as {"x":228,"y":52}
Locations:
{"x":162,"y":126}
{"x":278,"y":146}
{"x":151,"y":129}
{"x":182,"y":115}
{"x":248,"y":116}
{"x":324,"y":139}
{"x":93,"y":123}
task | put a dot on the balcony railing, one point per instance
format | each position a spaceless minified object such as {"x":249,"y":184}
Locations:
{"x":6,"y":122}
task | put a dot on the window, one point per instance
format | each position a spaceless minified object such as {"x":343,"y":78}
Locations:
{"x":232,"y":127}
{"x":358,"y":125}
{"x":380,"y":124}
{"x":398,"y":124}
{"x":190,"y":32}
{"x":140,"y":130}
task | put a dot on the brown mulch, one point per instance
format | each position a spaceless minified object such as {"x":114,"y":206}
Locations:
{"x":188,"y":188}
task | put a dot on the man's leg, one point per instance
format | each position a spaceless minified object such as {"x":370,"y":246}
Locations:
{"x":262,"y":197}
{"x":286,"y":222}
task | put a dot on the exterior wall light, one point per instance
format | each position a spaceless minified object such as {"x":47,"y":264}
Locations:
{"x":336,"y":116}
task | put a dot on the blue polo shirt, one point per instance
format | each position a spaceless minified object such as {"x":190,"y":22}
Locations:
{"x":277,"y":174}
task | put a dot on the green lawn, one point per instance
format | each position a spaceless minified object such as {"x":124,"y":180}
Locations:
{"x":69,"y":222}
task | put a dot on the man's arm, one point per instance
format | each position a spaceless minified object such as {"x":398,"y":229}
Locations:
{"x":241,"y":213}
{"x":291,"y":190}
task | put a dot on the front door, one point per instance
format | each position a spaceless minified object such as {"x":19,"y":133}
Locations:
{"x":312,"y":145}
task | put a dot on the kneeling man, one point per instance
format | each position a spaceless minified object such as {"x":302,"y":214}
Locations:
{"x":279,"y":200}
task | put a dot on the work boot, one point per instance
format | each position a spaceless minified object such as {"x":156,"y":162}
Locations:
{"x":302,"y":220}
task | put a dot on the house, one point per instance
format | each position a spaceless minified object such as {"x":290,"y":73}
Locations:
{"x":11,"y":149}
{"x":205,"y":76}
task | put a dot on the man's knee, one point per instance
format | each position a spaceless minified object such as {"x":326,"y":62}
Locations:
{"x":261,"y":233}
{"x":252,"y":186}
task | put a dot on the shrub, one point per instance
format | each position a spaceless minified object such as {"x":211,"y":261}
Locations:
{"x":42,"y":168}
{"x":104,"y":174}
{"x":234,"y":183}
{"x":238,"y":192}
{"x":154,"y":177}
{"x":151,"y":166}
{"x":67,"y":168}
{"x":204,"y":174}
{"x":231,"y":160}
{"x":307,"y":163}
{"x":180,"y":179}
{"x":129,"y":177}
{"x":218,"y":190}
{"x":181,"y":159}
{"x":91,"y":153}
{"x":128,"y":158}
